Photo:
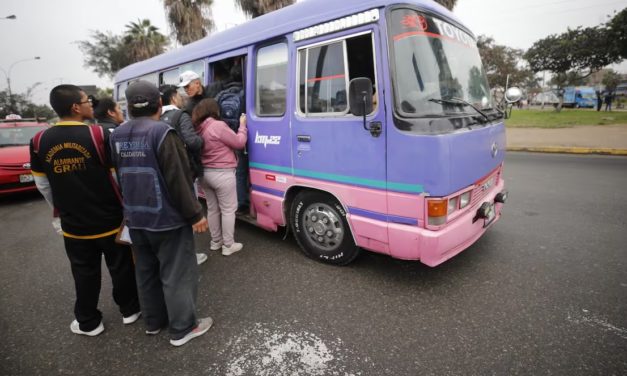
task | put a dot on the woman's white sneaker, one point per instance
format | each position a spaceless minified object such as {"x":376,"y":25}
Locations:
{"x":227,"y":251}
{"x":215,"y":246}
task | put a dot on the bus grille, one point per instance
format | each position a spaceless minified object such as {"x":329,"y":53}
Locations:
{"x":478,"y":193}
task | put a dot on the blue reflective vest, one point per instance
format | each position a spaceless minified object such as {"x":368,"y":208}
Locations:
{"x":147,"y":204}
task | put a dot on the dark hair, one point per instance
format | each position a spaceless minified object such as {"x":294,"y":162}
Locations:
{"x":63,"y":97}
{"x":206,"y":108}
{"x":167,"y":92}
{"x":102,"y":107}
{"x":235,"y":73}
{"x":149,"y":110}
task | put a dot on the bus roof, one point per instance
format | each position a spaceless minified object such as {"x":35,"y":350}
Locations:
{"x":283,"y":21}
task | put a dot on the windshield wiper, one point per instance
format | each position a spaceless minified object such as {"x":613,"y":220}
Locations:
{"x":455,"y":100}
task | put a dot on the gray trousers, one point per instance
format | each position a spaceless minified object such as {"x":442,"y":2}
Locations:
{"x":167,"y":278}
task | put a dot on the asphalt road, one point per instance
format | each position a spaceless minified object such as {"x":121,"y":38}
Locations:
{"x":543,"y":292}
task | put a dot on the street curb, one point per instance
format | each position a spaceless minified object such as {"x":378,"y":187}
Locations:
{"x":568,"y":150}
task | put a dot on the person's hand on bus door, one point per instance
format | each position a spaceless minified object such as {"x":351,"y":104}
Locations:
{"x":200,"y":226}
{"x":242,"y":120}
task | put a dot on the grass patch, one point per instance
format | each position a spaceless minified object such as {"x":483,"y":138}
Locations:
{"x":548,"y":118}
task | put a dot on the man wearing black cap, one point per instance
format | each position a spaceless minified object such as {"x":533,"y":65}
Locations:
{"x":162,"y":213}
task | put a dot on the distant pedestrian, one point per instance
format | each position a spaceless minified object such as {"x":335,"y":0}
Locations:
{"x":162,"y":214}
{"x":218,"y":182}
{"x":608,"y":101}
{"x":72,"y":172}
{"x":599,"y":100}
{"x":108,"y":113}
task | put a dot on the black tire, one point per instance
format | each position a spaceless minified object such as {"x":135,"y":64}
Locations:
{"x":321,"y":229}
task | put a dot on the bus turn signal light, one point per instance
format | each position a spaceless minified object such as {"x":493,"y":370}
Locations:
{"x":437,"y":210}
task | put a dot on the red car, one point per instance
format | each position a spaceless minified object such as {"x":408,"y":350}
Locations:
{"x":15,"y":135}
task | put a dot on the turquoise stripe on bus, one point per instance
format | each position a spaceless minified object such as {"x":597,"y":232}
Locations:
{"x":378,"y":184}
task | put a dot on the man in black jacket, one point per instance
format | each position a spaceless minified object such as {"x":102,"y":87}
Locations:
{"x":182,"y":124}
{"x":75,"y":181}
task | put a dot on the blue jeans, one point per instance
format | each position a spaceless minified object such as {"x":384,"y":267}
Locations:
{"x":167,"y":278}
{"x":241,"y":179}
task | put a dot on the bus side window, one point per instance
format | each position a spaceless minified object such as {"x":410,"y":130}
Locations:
{"x":360,"y":58}
{"x":324,"y":76}
{"x":325,"y":79}
{"x":271,"y":84}
{"x":170,"y":77}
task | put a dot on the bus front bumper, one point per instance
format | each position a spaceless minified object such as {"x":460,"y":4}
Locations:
{"x":434,"y":247}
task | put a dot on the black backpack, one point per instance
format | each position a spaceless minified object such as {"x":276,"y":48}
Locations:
{"x":230,"y":101}
{"x":195,"y":161}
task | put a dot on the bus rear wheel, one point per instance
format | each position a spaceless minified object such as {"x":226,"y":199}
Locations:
{"x":321,"y":229}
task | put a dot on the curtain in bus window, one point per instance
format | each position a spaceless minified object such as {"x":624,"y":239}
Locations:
{"x":326,"y":79}
{"x":271,"y":80}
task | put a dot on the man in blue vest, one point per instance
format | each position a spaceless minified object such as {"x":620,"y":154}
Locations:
{"x":162,"y":214}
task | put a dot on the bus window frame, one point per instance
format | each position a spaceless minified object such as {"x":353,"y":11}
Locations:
{"x":240,"y":52}
{"x":257,"y":48}
{"x":366,"y":29}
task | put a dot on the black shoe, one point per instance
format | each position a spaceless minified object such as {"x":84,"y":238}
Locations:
{"x":243,"y":210}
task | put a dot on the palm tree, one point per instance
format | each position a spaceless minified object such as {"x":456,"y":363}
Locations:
{"x":256,"y":8}
{"x":142,"y":40}
{"x":187,"y":20}
{"x":448,"y":4}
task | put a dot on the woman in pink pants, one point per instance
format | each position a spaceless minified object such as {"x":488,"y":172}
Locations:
{"x":218,"y":181}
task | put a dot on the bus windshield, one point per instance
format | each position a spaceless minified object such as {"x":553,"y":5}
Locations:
{"x":436,"y":68}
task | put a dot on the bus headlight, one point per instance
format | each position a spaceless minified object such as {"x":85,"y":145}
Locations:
{"x":464,"y":200}
{"x":452,"y":204}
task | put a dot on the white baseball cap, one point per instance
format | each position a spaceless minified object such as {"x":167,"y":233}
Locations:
{"x":186,"y":77}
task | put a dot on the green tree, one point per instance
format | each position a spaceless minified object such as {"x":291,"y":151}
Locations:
{"x":143,"y":40}
{"x":188,"y":19}
{"x":616,"y":30}
{"x":448,"y":4}
{"x":23,"y":106}
{"x":500,"y":62}
{"x":572,"y":55}
{"x":611,"y":79}
{"x":256,"y":8}
{"x":106,"y":53}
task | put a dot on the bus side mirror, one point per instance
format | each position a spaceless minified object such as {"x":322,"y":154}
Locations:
{"x":360,"y":96}
{"x":513,"y":95}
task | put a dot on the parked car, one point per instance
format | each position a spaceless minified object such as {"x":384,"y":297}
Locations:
{"x":15,"y":136}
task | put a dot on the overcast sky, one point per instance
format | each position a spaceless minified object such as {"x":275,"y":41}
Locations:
{"x":50,"y":29}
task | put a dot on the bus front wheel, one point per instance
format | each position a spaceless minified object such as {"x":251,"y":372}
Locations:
{"x":321,"y":229}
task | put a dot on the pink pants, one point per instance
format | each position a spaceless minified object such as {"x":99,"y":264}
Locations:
{"x":221,"y":195}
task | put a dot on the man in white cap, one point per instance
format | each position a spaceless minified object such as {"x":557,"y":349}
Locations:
{"x":190,"y":81}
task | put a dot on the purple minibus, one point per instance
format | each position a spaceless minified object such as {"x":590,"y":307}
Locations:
{"x":371,"y":125}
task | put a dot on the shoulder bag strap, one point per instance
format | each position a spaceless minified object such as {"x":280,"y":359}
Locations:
{"x":97,"y":137}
